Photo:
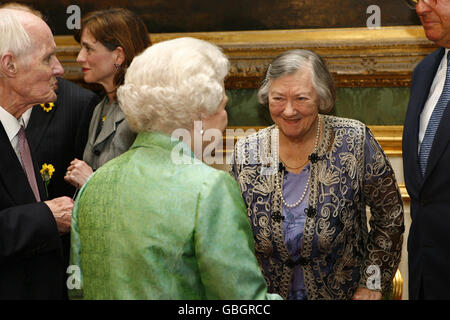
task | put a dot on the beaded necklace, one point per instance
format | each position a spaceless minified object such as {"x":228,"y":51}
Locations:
{"x":278,"y":184}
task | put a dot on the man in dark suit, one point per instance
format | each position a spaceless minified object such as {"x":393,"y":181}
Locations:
{"x":426,"y":159}
{"x":57,"y":134}
{"x":31,"y":265}
{"x":58,"y":131}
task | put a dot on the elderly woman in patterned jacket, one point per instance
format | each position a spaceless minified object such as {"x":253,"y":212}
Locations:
{"x":306,"y":182}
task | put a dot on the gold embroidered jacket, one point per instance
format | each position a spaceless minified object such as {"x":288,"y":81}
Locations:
{"x":339,"y":253}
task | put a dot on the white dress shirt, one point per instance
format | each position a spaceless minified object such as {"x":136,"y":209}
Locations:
{"x":12,"y":127}
{"x":435,"y":93}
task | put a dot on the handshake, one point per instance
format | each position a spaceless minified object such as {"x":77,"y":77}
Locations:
{"x":62,"y":212}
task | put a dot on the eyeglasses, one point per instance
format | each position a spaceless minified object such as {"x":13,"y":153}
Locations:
{"x":413,"y":3}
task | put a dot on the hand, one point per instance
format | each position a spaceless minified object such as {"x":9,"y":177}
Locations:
{"x":77,"y":173}
{"x":366,"y":294}
{"x":62,"y":212}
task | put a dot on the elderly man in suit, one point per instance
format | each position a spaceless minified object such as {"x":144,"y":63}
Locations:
{"x":58,"y":135}
{"x":426,"y":156}
{"x":31,"y":265}
{"x":57,"y":132}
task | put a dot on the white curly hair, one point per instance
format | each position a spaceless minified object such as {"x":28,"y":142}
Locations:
{"x":13,"y":36}
{"x":172,"y":84}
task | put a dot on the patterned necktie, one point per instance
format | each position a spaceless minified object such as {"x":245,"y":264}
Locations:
{"x":434,"y":121}
{"x":27,"y":163}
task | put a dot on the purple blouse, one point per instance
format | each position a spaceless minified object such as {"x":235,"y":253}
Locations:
{"x":293,"y":225}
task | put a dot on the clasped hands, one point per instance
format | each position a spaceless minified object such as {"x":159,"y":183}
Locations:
{"x":77,"y":173}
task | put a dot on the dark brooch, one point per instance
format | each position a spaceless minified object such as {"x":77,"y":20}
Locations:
{"x":313,"y":157}
{"x":310,"y":211}
{"x":277,"y":217}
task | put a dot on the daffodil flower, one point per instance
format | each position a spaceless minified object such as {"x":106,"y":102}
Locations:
{"x":47,"y":106}
{"x":46,"y":174}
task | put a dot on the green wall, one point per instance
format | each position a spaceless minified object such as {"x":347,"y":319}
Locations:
{"x":373,"y":106}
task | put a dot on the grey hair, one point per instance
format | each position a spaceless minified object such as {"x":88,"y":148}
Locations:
{"x":293,"y":61}
{"x":13,"y":36}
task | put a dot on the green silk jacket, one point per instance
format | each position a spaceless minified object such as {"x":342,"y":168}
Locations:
{"x":154,"y":224}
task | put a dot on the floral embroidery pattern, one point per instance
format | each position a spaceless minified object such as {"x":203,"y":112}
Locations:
{"x":351,"y":172}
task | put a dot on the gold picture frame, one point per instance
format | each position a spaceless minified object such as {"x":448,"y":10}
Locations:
{"x":357,"y":57}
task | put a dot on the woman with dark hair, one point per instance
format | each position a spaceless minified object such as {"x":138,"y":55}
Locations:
{"x":109,"y":39}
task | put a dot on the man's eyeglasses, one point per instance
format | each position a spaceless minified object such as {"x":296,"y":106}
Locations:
{"x":413,"y":3}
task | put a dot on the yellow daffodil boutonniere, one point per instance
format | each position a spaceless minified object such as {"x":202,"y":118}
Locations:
{"x":46,"y":174}
{"x":47,"y":106}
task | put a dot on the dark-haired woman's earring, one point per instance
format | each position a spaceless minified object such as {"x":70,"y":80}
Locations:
{"x":117,"y":66}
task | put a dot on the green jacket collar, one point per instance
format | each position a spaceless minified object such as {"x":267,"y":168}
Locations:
{"x":162,"y":140}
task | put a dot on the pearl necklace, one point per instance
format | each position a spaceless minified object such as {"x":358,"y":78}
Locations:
{"x":280,"y":189}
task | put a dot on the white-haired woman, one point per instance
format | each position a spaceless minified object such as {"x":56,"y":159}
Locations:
{"x":148,"y":226}
{"x":306,"y":182}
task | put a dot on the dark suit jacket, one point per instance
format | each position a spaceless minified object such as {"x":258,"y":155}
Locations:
{"x":30,"y":247}
{"x":429,"y":236}
{"x":60,"y":135}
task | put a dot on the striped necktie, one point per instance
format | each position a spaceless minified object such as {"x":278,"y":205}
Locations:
{"x":434,"y":121}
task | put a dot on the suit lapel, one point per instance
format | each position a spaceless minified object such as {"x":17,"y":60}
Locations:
{"x":109,"y":127}
{"x":39,"y":180}
{"x":419,"y":96}
{"x":12,"y":174}
{"x":38,"y":124}
{"x":442,"y":135}
{"x":95,"y":122}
